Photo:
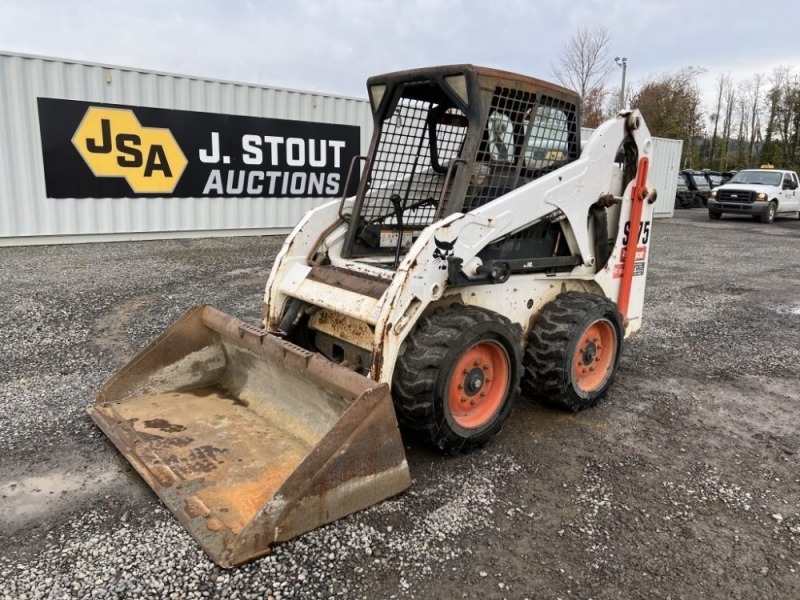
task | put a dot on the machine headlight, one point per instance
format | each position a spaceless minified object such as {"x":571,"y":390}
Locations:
{"x":761,"y":196}
{"x":713,"y":193}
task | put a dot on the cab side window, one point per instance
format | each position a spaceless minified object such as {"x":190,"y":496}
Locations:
{"x":500,"y":131}
{"x":549,"y":135}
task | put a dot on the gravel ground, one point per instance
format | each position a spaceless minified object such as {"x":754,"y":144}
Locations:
{"x":682,"y":484}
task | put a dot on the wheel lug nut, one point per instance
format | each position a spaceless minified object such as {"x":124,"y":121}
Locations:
{"x":472,"y":403}
{"x":463,"y":399}
{"x":466,"y":371}
{"x":476,"y":363}
{"x":483,"y":394}
{"x":488,"y":380}
{"x":461,"y":387}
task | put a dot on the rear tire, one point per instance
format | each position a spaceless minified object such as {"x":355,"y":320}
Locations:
{"x":768,"y":216}
{"x":573,"y":352}
{"x":714,"y":216}
{"x":457,"y":380}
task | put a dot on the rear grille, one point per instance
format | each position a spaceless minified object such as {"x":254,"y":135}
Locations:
{"x":735,"y":196}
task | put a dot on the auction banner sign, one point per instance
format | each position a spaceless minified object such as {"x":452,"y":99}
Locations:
{"x":94,"y":150}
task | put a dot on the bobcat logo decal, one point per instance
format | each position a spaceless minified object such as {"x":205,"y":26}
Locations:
{"x":443,"y":251}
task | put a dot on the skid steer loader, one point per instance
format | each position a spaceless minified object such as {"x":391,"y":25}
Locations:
{"x":483,"y":250}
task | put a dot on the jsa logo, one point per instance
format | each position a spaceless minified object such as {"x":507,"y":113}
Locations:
{"x":114,"y":144}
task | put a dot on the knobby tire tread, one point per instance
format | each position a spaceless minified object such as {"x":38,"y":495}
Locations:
{"x":418,"y":369}
{"x":547,"y":357}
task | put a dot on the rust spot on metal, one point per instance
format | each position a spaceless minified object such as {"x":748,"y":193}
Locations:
{"x":208,"y":454}
{"x":180,"y":442}
{"x":343,"y":327}
{"x":164,"y":475}
{"x":201,"y":459}
{"x":488,"y":78}
{"x":360,"y":283}
{"x":163,"y":425}
{"x":213,"y":524}
{"x":195,"y":507}
{"x":217,"y":391}
{"x":145,"y":435}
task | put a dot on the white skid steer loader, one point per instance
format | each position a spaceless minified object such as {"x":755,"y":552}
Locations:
{"x":483,"y":250}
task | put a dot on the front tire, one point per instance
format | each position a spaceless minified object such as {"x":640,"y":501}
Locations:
{"x":714,"y":216}
{"x":457,"y":380}
{"x":768,"y":216}
{"x":573,"y":353}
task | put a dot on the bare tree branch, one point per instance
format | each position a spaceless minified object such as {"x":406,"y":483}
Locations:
{"x":722,"y":81}
{"x":584,"y":64}
{"x":754,"y":96}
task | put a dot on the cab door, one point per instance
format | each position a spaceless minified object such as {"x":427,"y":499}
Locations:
{"x":790,"y":198}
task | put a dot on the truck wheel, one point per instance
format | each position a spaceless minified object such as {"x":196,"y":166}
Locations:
{"x":768,"y":216}
{"x":714,"y":216}
{"x":458,"y":378}
{"x":574,"y":349}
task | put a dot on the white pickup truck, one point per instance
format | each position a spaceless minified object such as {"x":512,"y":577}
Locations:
{"x":761,"y":193}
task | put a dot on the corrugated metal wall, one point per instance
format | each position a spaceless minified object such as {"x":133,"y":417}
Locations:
{"x":27,"y":216}
{"x":664,"y":174}
{"x":664,"y":170}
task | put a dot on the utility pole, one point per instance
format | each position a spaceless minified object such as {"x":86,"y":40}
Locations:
{"x":622,"y":62}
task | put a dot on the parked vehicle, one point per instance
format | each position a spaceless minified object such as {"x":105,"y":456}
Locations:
{"x":684,"y":197}
{"x":714,"y":178}
{"x":760,"y":193}
{"x":699,"y":187}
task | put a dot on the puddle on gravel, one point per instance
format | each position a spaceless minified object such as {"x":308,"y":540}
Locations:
{"x":788,"y":310}
{"x":26,"y":498}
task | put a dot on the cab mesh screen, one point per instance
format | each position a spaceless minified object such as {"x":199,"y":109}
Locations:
{"x":405,"y":165}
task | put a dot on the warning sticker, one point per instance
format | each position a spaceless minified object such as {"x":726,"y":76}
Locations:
{"x":641,"y":253}
{"x":638,"y":269}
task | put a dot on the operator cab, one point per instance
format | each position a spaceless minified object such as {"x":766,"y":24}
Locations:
{"x":448,"y":140}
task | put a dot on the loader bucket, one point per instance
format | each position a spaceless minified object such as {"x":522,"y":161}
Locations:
{"x":248,"y":439}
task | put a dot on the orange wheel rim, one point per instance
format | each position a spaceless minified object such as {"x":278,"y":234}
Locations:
{"x":594,"y":356}
{"x":478,"y":384}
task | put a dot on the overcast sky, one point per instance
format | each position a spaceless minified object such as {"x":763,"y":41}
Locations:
{"x":334,"y":45}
